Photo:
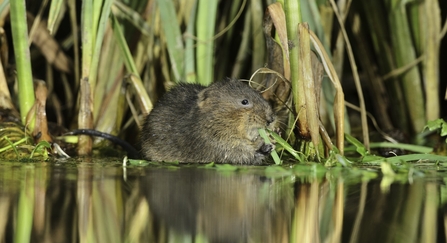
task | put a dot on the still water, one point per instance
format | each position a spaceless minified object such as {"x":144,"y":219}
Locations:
{"x":106,"y":202}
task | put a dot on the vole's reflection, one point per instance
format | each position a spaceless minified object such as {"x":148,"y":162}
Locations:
{"x":221,"y":207}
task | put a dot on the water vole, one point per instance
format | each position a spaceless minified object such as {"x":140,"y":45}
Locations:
{"x":218,"y":123}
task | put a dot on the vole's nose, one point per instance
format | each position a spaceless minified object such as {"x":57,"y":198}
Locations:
{"x":270,"y":120}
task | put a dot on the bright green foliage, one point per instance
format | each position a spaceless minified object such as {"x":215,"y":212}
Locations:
{"x":438,"y":124}
{"x":274,"y":155}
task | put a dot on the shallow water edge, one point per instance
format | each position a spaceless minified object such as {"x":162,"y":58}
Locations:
{"x":106,"y":202}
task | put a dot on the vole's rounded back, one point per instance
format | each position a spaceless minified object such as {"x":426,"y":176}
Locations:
{"x":219,"y":123}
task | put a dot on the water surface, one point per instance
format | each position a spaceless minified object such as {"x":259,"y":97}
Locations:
{"x":80,"y":201}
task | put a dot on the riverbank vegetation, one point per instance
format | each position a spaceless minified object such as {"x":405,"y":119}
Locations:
{"x":368,"y":69}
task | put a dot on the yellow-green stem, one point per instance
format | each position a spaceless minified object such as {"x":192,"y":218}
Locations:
{"x":19,"y":30}
{"x":206,"y":19}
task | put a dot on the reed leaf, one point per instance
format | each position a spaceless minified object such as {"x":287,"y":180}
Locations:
{"x":339,"y":101}
{"x":55,"y":11}
{"x":131,"y":67}
{"x":108,"y":82}
{"x":123,"y":11}
{"x":173,"y":38}
{"x":143,"y":98}
{"x":128,"y":59}
{"x":101,"y":29}
{"x":95,"y":16}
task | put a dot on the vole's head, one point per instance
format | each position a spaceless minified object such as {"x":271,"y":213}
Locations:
{"x":235,"y":105}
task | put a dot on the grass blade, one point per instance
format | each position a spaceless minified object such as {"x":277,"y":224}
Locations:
{"x":274,"y":155}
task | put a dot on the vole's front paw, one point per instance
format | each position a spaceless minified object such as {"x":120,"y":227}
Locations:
{"x":266,"y":149}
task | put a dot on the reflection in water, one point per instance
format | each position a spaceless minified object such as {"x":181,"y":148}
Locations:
{"x":220,"y":207}
{"x":86,"y":202}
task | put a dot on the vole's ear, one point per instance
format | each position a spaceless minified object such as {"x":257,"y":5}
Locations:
{"x":202,"y":98}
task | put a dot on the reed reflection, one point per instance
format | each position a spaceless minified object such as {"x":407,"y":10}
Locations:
{"x":90,"y":202}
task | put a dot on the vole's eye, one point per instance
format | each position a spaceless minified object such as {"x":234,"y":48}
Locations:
{"x":245,"y":102}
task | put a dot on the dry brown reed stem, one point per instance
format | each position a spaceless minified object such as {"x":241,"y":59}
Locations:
{"x":338,"y":212}
{"x":36,"y":22}
{"x":75,"y":33}
{"x":339,"y":50}
{"x":339,"y":102}
{"x":276,"y":13}
{"x":431,"y":19}
{"x":430,"y":212}
{"x":306,"y":77}
{"x":355,"y":76}
{"x":143,"y":98}
{"x":359,"y":216}
{"x":5,"y":96}
{"x":41,"y":124}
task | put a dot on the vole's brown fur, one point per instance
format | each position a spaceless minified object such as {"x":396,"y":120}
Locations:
{"x":219,"y":123}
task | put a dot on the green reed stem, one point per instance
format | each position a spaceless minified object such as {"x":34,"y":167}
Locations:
{"x":19,"y":30}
